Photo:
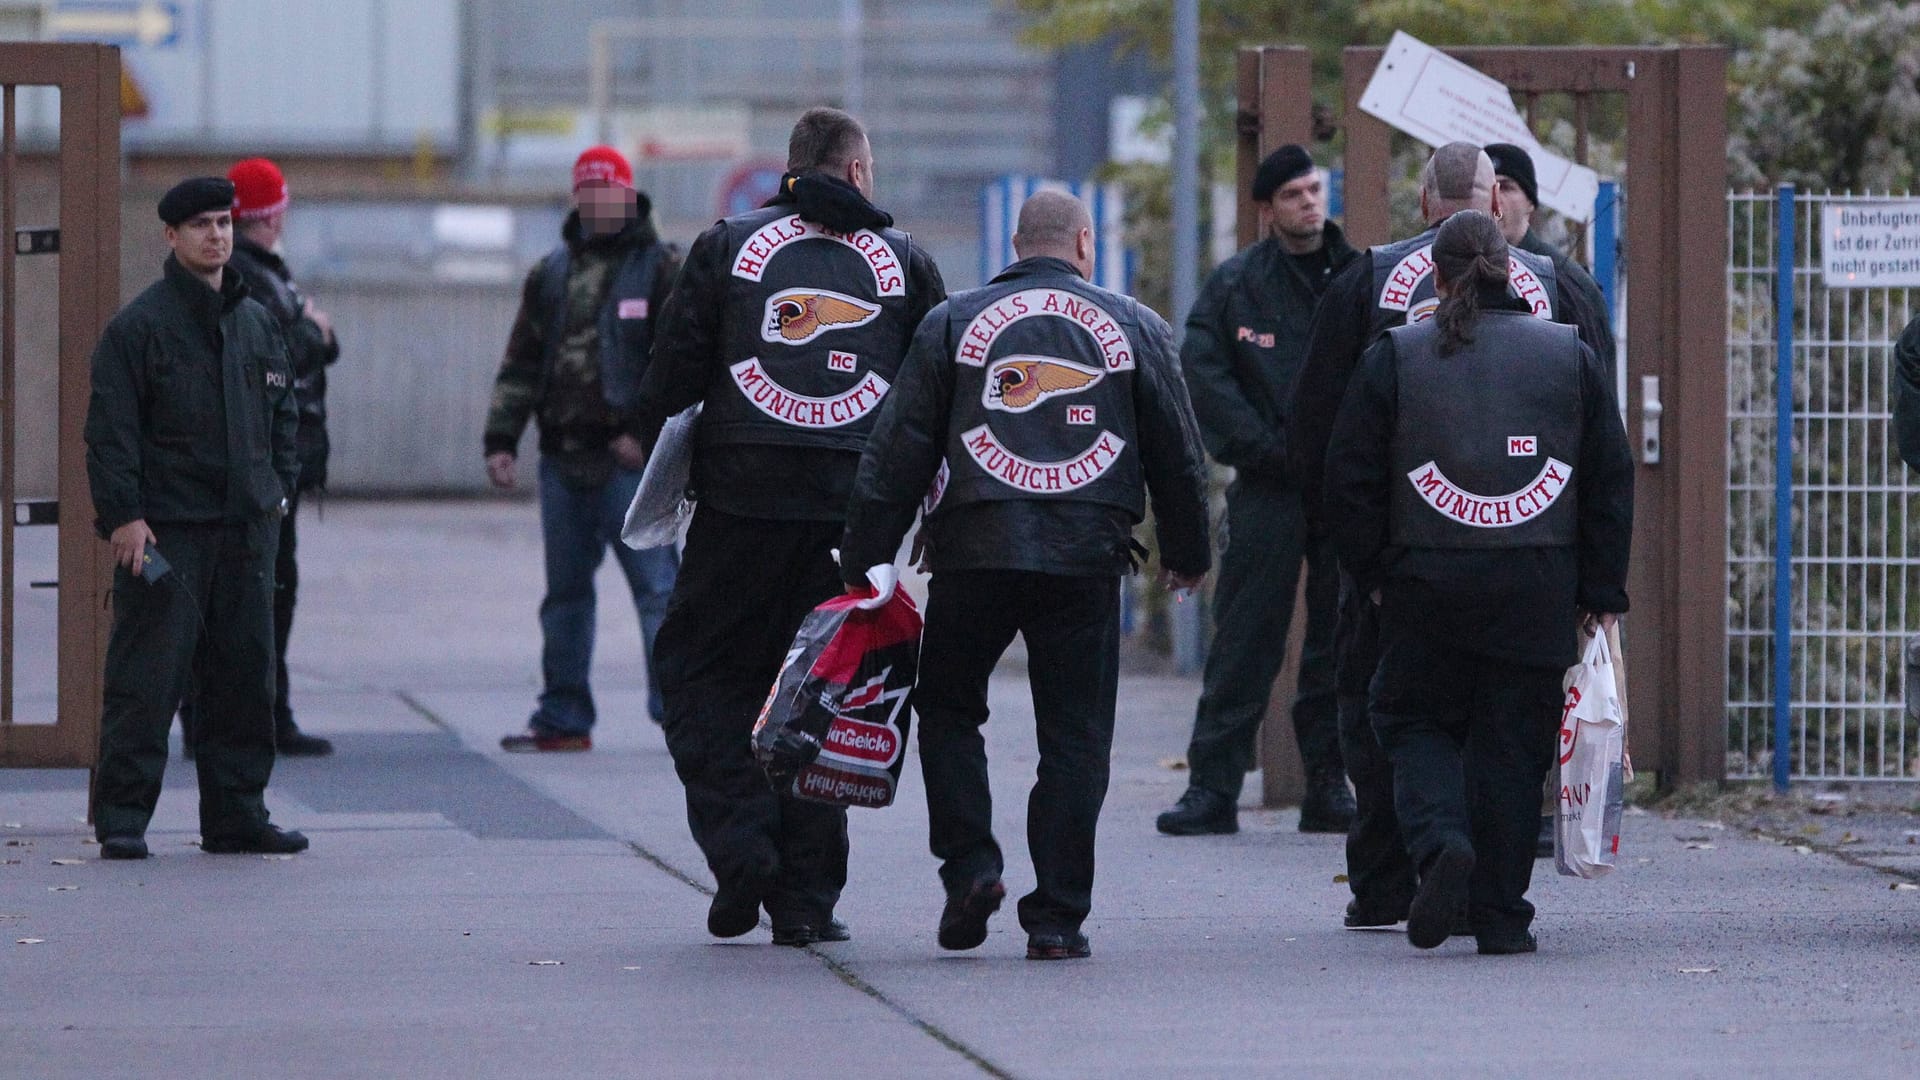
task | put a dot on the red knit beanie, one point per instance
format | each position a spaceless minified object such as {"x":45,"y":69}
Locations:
{"x":603,"y":164}
{"x":259,"y":191}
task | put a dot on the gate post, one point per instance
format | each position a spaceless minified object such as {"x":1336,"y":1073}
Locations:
{"x":88,"y":77}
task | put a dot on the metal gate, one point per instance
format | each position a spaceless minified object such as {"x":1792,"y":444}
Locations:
{"x":1817,"y":617}
{"x":60,"y":729}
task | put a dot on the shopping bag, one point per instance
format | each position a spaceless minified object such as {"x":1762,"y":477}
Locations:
{"x":1592,"y":779}
{"x":660,"y":506}
{"x":834,"y":728}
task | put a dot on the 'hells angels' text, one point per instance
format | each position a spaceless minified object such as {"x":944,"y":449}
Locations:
{"x":1116,"y":351}
{"x":770,"y":239}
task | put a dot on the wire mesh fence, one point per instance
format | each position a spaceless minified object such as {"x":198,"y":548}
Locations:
{"x":1854,"y":569}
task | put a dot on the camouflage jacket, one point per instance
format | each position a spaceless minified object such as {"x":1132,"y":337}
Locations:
{"x":553,"y":370}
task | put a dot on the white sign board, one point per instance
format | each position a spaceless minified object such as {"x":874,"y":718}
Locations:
{"x":1431,"y":96}
{"x":1870,"y":245}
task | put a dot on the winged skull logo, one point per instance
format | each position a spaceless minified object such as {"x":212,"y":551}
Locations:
{"x":1018,"y":383}
{"x":797,"y":316}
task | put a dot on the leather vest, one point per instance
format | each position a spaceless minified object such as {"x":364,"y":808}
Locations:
{"x":815,"y":326}
{"x":1043,"y":395}
{"x":1486,"y":445}
{"x":626,"y":323}
{"x":1403,"y":289}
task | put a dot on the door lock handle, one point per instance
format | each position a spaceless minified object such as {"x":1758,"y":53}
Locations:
{"x":1650,"y":410}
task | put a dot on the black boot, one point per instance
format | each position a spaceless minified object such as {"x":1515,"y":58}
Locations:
{"x":1328,"y":807}
{"x":1198,"y":813}
{"x":290,"y":741}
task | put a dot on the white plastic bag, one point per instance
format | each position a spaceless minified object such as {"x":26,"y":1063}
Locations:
{"x":1592,"y":779}
{"x":660,"y":506}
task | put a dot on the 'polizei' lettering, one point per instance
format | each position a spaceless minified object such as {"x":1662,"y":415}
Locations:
{"x":1042,"y":477}
{"x":1492,"y":511}
{"x":1116,"y":349}
{"x":773,"y":237}
{"x":801,"y":411}
{"x":1416,"y":269}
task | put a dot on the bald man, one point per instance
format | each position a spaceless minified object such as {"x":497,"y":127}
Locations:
{"x":1042,"y":411}
{"x":1390,"y":286}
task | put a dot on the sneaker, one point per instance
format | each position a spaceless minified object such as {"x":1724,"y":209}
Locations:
{"x":963,"y":922}
{"x":296,"y":743}
{"x":1508,"y":944}
{"x":1442,"y":897}
{"x":1328,"y":807}
{"x":270,"y":840}
{"x":123,"y":846}
{"x":801,"y":935}
{"x":535,"y":741}
{"x":1058,"y":945}
{"x":1374,"y":916}
{"x":1200,"y":812}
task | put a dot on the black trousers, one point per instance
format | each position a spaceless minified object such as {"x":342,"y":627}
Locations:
{"x":207,"y":627}
{"x":1072,"y":630}
{"x":745,"y":586}
{"x":1259,"y":577}
{"x":1471,"y":739}
{"x":286,"y":590}
{"x":1378,"y":870}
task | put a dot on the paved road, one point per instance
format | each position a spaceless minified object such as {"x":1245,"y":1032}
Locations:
{"x":465,"y":913}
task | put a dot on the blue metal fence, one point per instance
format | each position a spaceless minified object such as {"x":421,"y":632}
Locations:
{"x":1823,"y":573}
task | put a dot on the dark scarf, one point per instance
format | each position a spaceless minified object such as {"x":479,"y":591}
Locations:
{"x":830,"y":201}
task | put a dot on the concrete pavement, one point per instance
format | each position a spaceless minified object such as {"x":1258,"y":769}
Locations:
{"x":465,"y":913}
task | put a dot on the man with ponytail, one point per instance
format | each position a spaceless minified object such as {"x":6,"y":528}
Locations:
{"x":1389,"y":286}
{"x":1481,"y":486}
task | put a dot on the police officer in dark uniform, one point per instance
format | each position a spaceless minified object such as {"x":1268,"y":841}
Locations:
{"x":1245,"y":340}
{"x":1388,"y":286}
{"x":789,"y":324}
{"x":1057,"y":407}
{"x":191,"y":455}
{"x":1482,"y":487}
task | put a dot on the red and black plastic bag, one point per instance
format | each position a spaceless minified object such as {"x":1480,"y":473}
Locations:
{"x":834,"y":728}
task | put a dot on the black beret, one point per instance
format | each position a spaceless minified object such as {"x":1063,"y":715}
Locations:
{"x":196,"y":196}
{"x":1282,"y":167}
{"x":1516,"y":165}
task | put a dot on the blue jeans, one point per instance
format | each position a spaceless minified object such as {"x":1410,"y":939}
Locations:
{"x":578,"y":525}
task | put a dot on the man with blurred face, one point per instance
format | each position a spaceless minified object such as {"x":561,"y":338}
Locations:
{"x":1246,"y":339}
{"x":574,"y":360}
{"x":190,"y":460}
